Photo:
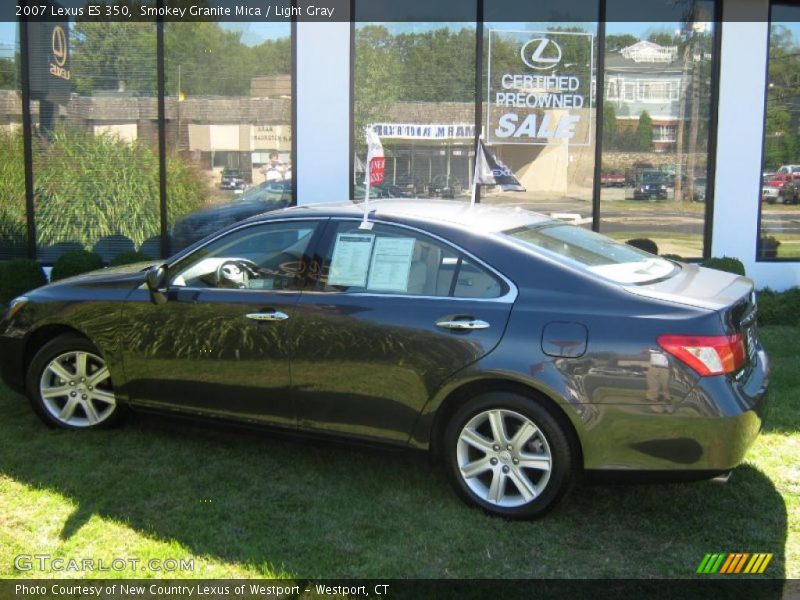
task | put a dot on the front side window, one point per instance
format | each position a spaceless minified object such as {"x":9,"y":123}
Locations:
{"x":392,"y":260}
{"x":262,"y":257}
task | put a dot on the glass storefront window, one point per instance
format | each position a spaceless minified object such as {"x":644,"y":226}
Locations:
{"x":415,"y":87}
{"x":779,"y":232}
{"x":13,"y":232}
{"x":95,"y":124}
{"x":656,"y":115}
{"x":229,"y":124}
{"x":539,"y":116}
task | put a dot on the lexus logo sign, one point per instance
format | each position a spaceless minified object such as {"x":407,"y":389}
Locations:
{"x":541,"y":54}
{"x":59,"y":46}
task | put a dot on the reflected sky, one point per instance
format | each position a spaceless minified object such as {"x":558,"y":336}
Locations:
{"x":252,"y":33}
{"x":256,"y":33}
{"x":8,"y":39}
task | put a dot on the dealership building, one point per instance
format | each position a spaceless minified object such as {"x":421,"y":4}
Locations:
{"x":680,"y":126}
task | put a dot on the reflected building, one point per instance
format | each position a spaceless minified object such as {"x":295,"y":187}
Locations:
{"x":646,"y":77}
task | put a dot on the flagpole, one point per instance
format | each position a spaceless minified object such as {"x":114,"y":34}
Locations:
{"x":375,"y":166}
{"x":366,"y":204}
{"x":475,"y":174}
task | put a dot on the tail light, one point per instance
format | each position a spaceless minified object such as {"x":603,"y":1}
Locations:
{"x":708,"y":355}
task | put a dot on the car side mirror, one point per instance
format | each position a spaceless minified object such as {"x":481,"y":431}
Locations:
{"x":157,"y":280}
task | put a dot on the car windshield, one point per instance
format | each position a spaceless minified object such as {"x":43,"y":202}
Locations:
{"x":653,"y":178}
{"x":593,"y":252}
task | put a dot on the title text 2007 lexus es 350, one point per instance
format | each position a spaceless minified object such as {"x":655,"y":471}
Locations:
{"x":522,"y":351}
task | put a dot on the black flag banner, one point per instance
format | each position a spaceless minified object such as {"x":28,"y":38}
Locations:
{"x":490,"y":170}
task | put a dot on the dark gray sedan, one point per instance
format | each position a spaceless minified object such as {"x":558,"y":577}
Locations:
{"x":522,"y":351}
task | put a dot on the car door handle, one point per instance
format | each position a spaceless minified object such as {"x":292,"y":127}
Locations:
{"x":462,"y":324}
{"x":274,"y":315}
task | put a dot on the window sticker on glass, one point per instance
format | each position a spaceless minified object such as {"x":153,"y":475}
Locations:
{"x":391,"y":264}
{"x":350,"y":260}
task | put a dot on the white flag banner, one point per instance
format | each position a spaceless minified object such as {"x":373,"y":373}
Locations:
{"x":375,"y":167}
{"x":375,"y":159}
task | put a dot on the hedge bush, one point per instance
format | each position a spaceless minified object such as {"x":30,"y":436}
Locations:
{"x":89,"y":186}
{"x":645,"y":244}
{"x":128,"y":258}
{"x":12,"y":191}
{"x":75,"y":263}
{"x":778,"y":308}
{"x":19,"y":276}
{"x":726,"y":263}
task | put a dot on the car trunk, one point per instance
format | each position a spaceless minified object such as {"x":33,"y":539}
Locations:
{"x":732,"y":297}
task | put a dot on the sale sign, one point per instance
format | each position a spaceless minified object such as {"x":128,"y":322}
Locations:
{"x":539,"y":87}
{"x":376,"y":166}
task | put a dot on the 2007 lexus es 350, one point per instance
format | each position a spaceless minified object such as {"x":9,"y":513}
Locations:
{"x":523,"y":351}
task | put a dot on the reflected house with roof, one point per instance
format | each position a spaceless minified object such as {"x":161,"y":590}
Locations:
{"x":646,"y":77}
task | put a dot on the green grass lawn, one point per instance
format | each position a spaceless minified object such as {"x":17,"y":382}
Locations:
{"x":682,"y":244}
{"x":250,"y":504}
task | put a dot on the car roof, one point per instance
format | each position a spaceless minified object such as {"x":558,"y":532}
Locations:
{"x":478,"y":218}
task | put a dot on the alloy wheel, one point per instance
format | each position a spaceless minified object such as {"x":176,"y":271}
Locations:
{"x":504,"y":458}
{"x":76,"y":389}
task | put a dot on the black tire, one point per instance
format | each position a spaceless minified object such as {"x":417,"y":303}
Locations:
{"x":103,"y":413}
{"x":563,"y":457}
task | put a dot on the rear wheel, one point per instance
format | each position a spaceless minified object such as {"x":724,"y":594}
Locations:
{"x":69,"y":385}
{"x":508,"y":455}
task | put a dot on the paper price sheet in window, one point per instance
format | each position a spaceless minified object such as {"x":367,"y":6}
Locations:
{"x":378,"y":264}
{"x":391,"y":265}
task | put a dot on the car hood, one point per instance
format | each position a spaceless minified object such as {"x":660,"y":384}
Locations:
{"x":697,"y":286}
{"x":126,"y":275}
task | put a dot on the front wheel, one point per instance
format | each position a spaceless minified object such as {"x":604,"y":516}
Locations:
{"x":69,"y":385}
{"x":508,"y":455}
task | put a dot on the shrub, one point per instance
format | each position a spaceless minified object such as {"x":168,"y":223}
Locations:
{"x":767,"y":247}
{"x":12,"y":194}
{"x":778,"y":308}
{"x":726,"y":263}
{"x":128,"y":258}
{"x":19,"y":276}
{"x":75,"y":263}
{"x":672,"y":257}
{"x":90,"y":186}
{"x":645,"y":244}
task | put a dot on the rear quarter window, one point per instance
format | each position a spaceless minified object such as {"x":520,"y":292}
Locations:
{"x":593,"y":252}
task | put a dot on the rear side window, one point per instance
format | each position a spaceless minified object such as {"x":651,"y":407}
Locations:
{"x":394,"y":260}
{"x":593,"y":252}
